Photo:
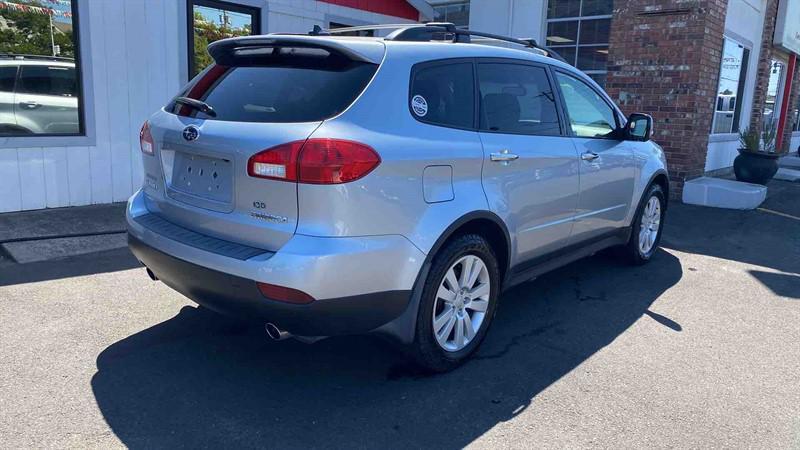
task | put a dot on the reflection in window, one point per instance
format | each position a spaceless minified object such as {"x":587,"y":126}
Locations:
{"x":589,"y":115}
{"x":579,"y":30}
{"x":732,"y":76}
{"x":517,"y":99}
{"x":772,"y":104}
{"x":39,"y":80}
{"x":796,"y":116}
{"x":212,"y":21}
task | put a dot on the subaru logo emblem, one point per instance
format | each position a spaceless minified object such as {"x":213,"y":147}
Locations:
{"x":191,"y":133}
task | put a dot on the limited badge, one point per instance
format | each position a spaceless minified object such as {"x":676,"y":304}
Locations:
{"x":419,"y":105}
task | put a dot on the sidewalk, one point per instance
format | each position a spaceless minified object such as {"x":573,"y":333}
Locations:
{"x":47,"y":234}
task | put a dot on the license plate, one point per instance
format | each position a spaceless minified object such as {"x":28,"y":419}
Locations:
{"x":202,"y":176}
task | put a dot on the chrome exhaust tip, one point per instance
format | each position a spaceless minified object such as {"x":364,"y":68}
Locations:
{"x":275,"y":333}
{"x":151,"y":274}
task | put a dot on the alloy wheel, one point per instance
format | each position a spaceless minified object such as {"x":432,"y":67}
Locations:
{"x":461,"y":303}
{"x":649,"y":226}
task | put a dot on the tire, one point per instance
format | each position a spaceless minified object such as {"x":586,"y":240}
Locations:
{"x":637,"y":251}
{"x":441,"y":355}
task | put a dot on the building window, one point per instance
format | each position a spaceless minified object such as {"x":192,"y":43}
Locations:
{"x":335,"y":25}
{"x":773,"y":102}
{"x":40,"y":82}
{"x":578,"y":30}
{"x":212,"y":20}
{"x":796,"y":116}
{"x":455,"y":12}
{"x":732,"y":75}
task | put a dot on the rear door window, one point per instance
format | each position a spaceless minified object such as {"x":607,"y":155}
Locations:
{"x":7,"y":76}
{"x":280,"y":86}
{"x":517,"y":99}
{"x":444,"y":94}
{"x":47,"y":80}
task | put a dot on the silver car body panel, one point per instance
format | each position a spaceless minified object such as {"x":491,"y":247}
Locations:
{"x":375,"y":234}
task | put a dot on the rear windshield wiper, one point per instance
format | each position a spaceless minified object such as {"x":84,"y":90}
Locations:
{"x":198,"y":105}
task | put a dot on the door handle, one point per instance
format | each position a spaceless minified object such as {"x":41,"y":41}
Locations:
{"x":589,"y":156}
{"x":30,"y":105}
{"x":503,"y":156}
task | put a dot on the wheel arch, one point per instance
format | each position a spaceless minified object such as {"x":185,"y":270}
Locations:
{"x":484,"y":223}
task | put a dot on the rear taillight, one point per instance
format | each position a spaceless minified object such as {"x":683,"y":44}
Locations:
{"x":146,"y":139}
{"x":315,"y":161}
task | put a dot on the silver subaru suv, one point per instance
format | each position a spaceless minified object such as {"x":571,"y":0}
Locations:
{"x":327,"y":185}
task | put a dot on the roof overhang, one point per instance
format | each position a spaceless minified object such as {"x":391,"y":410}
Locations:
{"x":426,"y":11}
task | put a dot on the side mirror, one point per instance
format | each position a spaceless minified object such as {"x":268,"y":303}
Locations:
{"x":639,"y":127}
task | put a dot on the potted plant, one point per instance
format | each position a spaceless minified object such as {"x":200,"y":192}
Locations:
{"x":757,"y":161}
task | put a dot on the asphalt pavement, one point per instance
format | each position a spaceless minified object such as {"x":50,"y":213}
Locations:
{"x":699,"y":348}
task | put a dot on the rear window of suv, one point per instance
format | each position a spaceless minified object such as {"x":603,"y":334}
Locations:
{"x":280,"y":86}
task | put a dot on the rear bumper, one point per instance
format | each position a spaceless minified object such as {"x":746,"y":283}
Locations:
{"x":240,"y":297}
{"x":359,"y":283}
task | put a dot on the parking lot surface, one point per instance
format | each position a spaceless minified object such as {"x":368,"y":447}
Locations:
{"x":700,"y":348}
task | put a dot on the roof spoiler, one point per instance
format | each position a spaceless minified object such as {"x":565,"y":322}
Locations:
{"x":224,"y":51}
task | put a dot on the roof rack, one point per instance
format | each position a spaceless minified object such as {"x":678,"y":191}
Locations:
{"x":37,"y":57}
{"x":438,"y":31}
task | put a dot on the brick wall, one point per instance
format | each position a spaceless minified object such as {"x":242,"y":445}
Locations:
{"x":664,"y":60}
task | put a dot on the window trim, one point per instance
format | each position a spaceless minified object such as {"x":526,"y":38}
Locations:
{"x":254,"y":12}
{"x":561,"y":124}
{"x":618,"y":116}
{"x":740,"y":89}
{"x":445,"y":62}
{"x":85,"y":134}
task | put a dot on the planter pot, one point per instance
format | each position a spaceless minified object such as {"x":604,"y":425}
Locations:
{"x":755,"y":167}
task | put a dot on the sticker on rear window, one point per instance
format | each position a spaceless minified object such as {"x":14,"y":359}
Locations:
{"x":419,"y":105}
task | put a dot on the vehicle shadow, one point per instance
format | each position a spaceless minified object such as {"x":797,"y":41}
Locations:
{"x":201,"y":380}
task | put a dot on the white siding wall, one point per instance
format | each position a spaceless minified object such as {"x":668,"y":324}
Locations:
{"x":519,"y":18}
{"x":137,"y":61}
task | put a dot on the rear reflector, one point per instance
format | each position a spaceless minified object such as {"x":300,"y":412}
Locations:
{"x":315,"y":161}
{"x":284,"y":294}
{"x":146,"y":139}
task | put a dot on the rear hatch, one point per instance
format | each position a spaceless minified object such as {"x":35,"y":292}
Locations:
{"x":263,"y":92}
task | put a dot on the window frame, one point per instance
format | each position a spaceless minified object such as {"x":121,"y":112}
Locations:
{"x":82,"y":137}
{"x":521,"y":62}
{"x":618,"y":116}
{"x":744,"y":72}
{"x":253,"y":11}
{"x":445,"y":62}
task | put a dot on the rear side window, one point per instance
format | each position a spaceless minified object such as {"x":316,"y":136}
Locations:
{"x":517,"y":99}
{"x":48,"y":80}
{"x":444,"y":94}
{"x":280,"y":86}
{"x":7,"y":76}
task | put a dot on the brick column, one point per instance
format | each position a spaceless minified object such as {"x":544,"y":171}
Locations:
{"x":764,"y":65}
{"x":664,"y":60}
